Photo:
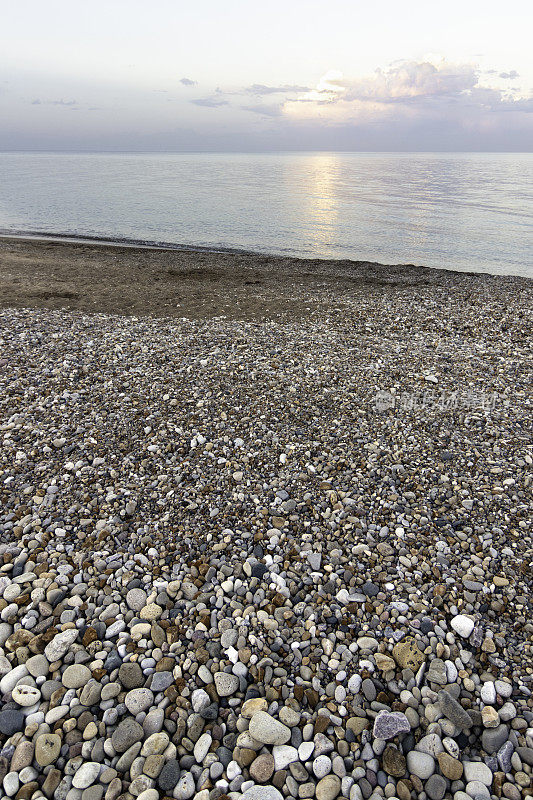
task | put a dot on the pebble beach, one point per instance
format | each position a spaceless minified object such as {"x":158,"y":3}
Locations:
{"x":273,"y":554}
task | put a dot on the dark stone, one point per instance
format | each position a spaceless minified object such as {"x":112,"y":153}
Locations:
{"x":435,"y":787}
{"x":370,"y":589}
{"x":453,"y":710}
{"x":258,"y":570}
{"x":11,"y":721}
{"x":493,"y":739}
{"x":169,"y":775}
{"x":394,"y":762}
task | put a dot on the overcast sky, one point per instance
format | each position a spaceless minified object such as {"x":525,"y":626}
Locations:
{"x":244,"y":75}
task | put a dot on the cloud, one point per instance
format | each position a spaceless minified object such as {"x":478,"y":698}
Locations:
{"x":66,"y":103}
{"x":422,"y":85}
{"x":264,"y":110}
{"x":509,"y":75}
{"x":188,"y":82}
{"x":261,"y":89}
{"x":209,"y":102}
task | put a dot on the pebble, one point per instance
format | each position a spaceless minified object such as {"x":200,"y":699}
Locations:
{"x":183,"y":619}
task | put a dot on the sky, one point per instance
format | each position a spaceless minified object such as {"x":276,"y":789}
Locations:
{"x":243,"y":75}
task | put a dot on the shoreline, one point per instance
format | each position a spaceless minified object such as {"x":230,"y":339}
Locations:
{"x":142,"y":280}
{"x":147,"y":244}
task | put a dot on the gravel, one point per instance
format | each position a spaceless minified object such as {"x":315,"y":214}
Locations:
{"x":234,"y":562}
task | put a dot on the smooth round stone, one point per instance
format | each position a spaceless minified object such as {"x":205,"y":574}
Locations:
{"x":11,"y":721}
{"x":262,"y":768}
{"x":127,"y":733}
{"x":328,"y":788}
{"x":267,"y":730}
{"x":305,"y":751}
{"x":12,"y":784}
{"x":488,"y":693}
{"x":155,"y":744}
{"x":185,"y":787}
{"x":86,"y":775}
{"x":26,"y":696}
{"x":131,"y":675}
{"x":226,"y":684}
{"x":477,"y":771}
{"x":169,"y":775}
{"x":430,"y":744}
{"x":420,"y":764}
{"x":284,"y":755}
{"x":10,"y":679}
{"x":435,"y":787}
{"x":262,"y":793}
{"x":321,"y":766}
{"x":138,"y":700}
{"x":450,"y":767}
{"x":38,"y":666}
{"x":477,"y":789}
{"x":47,"y":748}
{"x":201,"y":748}
{"x":136,"y":599}
{"x":148,"y":794}
{"x":75,"y":676}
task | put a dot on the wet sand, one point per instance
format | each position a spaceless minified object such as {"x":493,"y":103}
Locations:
{"x":142,"y":281}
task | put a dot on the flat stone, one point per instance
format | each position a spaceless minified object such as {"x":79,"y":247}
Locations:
{"x":201,"y":748}
{"x":420,"y":764}
{"x":453,"y":710}
{"x":47,"y":748}
{"x":226,"y":683}
{"x":450,"y":767}
{"x":493,"y":738}
{"x":407,"y":654}
{"x":60,"y":644}
{"x":389,"y":724}
{"x":435,"y":787}
{"x":477,"y":771}
{"x":127,"y":733}
{"x":262,"y":768}
{"x":161,"y":681}
{"x":11,"y":721}
{"x":267,"y":730}
{"x":328,"y":788}
{"x":26,"y":696}
{"x":284,"y":755}
{"x":131,"y":675}
{"x":252,"y":706}
{"x":75,"y":676}
{"x":86,"y":775}
{"x":262,"y":793}
{"x":169,"y":775}
{"x":394,"y":762}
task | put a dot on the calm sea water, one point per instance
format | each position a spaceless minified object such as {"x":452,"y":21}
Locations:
{"x":457,"y":211}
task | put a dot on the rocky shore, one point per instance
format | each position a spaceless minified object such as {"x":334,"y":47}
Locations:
{"x":269,"y":559}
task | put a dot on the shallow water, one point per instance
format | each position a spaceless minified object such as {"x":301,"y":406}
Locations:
{"x":457,"y":211}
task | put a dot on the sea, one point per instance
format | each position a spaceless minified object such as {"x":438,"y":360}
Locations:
{"x":459,"y":211}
